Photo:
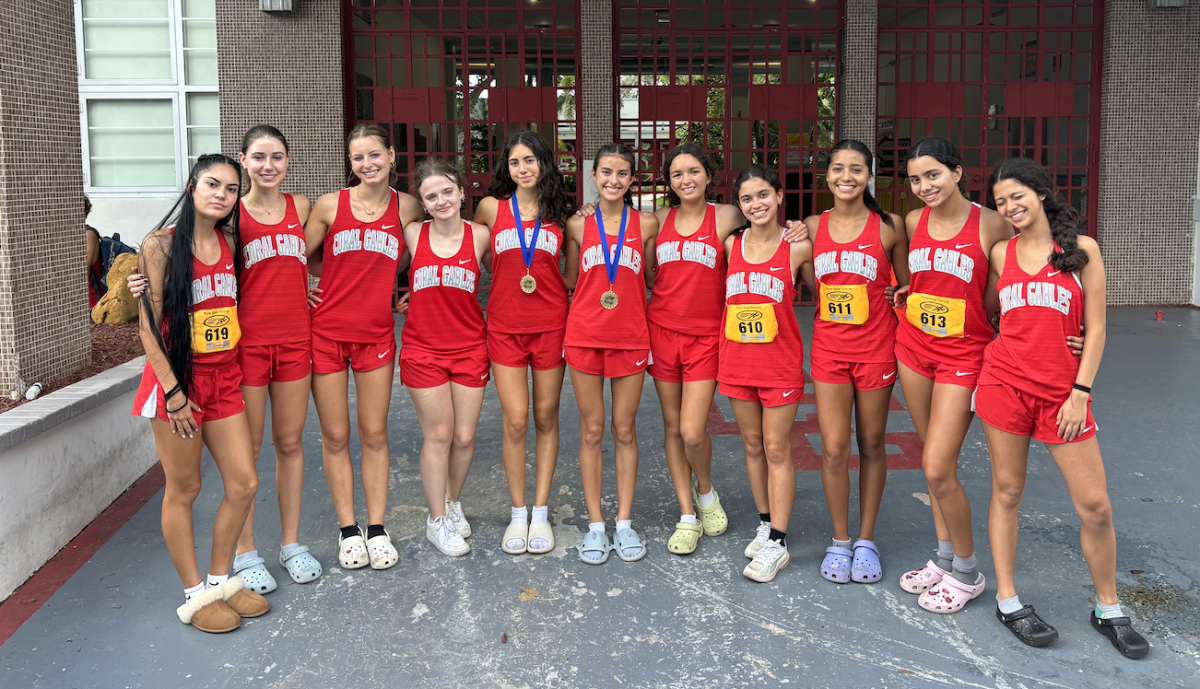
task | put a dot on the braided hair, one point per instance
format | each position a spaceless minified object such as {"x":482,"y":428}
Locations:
{"x":1064,"y":219}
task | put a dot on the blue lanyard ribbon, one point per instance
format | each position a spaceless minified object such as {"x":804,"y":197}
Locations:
{"x":612,"y":263}
{"x":526,"y":252}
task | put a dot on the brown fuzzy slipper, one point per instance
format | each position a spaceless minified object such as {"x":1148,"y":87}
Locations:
{"x":243,"y":601}
{"x":208,"y":612}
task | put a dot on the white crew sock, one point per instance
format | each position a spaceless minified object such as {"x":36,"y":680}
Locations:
{"x":194,"y":591}
{"x":541,"y":514}
{"x":520,"y":515}
{"x":596,"y":526}
{"x":688,"y":518}
{"x":214,"y":581}
{"x":708,"y":498}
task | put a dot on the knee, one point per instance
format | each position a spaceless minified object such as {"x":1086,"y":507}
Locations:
{"x":672,"y":431}
{"x":464,"y":439}
{"x":694,"y":435}
{"x":373,"y":437}
{"x":1097,"y":513}
{"x":516,"y":425}
{"x":545,"y":419}
{"x":624,"y":433}
{"x":289,"y":448}
{"x":183,"y":492}
{"x":835,"y":453}
{"x":753,"y":444}
{"x":1007,"y":495}
{"x":941,"y":478}
{"x":871,"y":449}
{"x":335,"y":440}
{"x":591,"y":433}
{"x":778,"y":452}
{"x":242,"y":488}
{"x":440,"y":435}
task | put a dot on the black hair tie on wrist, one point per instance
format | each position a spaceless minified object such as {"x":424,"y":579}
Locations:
{"x":179,"y":409}
{"x":1083,"y":388}
{"x":171,"y":393}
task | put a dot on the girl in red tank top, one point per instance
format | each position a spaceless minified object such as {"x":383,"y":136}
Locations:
{"x":1049,"y":280}
{"x":762,"y":359}
{"x":355,"y":246}
{"x":939,"y":344}
{"x":190,"y":386}
{"x":527,"y":207}
{"x":443,"y":359}
{"x":607,"y":338}
{"x":853,"y":359}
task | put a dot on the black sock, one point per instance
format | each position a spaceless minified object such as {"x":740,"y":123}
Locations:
{"x":764,"y":517}
{"x":374,"y":530}
{"x":352,"y":530}
{"x":777,"y":535}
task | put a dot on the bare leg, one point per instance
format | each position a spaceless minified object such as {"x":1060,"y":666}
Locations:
{"x":749,"y":417}
{"x":918,"y":397}
{"x":1083,"y":470}
{"x":229,"y":442}
{"x":781,"y":472}
{"x":1009,"y":454}
{"x":589,"y":395}
{"x":181,"y":465}
{"x":626,"y":396}
{"x":871,"y":416}
{"x":255,"y":397}
{"x":512,"y":386}
{"x":547,"y":391}
{"x":289,"y":411}
{"x":435,"y":413}
{"x":950,"y":418}
{"x":467,"y":403}
{"x":330,"y":392}
{"x":374,"y":390}
{"x":835,"y":402}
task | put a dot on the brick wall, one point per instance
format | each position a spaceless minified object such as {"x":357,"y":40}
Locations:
{"x":1150,"y":122}
{"x":857,"y":91}
{"x":44,"y":324}
{"x":285,"y":69}
{"x":596,"y":73}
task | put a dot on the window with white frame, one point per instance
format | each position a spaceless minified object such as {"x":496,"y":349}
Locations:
{"x":147,"y":91}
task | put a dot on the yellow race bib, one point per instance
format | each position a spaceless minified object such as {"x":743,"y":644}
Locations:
{"x":215,"y":330}
{"x":751,"y":323}
{"x":938,"y":316}
{"x":844,"y":304}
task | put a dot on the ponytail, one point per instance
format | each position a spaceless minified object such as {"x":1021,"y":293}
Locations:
{"x":1063,"y":218}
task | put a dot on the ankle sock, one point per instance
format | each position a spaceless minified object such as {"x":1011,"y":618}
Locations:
{"x":194,"y":591}
{"x":286,"y":551}
{"x":541,"y":514}
{"x":945,"y":555}
{"x":764,"y":517}
{"x":963,"y":569}
{"x":520,"y":515}
{"x":688,"y":518}
{"x":352,"y":530}
{"x":374,"y":530}
{"x":708,"y":498}
{"x":1009,"y":605}
{"x":777,"y":535}
{"x":624,"y":524}
{"x":841,"y":544}
{"x":628,"y":524}
{"x":596,"y":526}
{"x":214,"y":581}
{"x":1108,"y":612}
{"x":240,"y":560}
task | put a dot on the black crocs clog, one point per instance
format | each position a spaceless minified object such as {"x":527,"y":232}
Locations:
{"x":1028,"y":626}
{"x":1120,"y":631}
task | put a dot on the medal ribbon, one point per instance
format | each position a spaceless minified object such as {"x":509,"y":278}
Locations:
{"x":612,"y":264}
{"x":526,"y":253}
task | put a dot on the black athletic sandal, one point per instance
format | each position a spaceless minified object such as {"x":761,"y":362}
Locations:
{"x":1121,"y":633}
{"x":1028,"y":626}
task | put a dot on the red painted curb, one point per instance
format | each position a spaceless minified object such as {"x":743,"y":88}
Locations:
{"x":20,"y":606}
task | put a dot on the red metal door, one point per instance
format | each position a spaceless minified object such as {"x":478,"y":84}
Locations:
{"x":1001,"y":80}
{"x":751,"y":82}
{"x":453,"y":78}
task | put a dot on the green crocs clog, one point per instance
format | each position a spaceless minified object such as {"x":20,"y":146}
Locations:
{"x":712,"y":517}
{"x":685,"y":538}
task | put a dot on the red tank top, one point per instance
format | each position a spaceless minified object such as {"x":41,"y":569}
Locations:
{"x":1037,"y":313}
{"x":591,"y":325}
{"x":509,"y":309}
{"x":358,"y":275}
{"x":444,"y":317}
{"x":861,"y":261}
{"x":776,"y":364}
{"x":690,"y":281}
{"x":955,"y":268}
{"x":213,"y":287}
{"x":274,"y":279}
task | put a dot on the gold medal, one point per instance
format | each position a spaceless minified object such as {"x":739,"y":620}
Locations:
{"x":609,"y":299}
{"x":528,"y":284}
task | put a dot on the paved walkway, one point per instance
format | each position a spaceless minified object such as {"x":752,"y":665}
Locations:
{"x":669,"y":621}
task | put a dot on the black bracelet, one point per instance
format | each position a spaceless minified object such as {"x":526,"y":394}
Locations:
{"x":179,"y":409}
{"x":1083,"y":388}
{"x":171,"y":393}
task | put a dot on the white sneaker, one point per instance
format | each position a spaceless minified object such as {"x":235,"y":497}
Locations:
{"x":352,"y":552}
{"x":455,"y":513}
{"x":442,"y":534}
{"x":760,"y":539}
{"x":771,"y":558}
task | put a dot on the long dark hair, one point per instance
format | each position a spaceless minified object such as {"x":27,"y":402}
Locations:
{"x":554,"y":204}
{"x":696,"y":151}
{"x":942,"y":150}
{"x":177,"y":301}
{"x":868,"y":198}
{"x":756,"y":171}
{"x":364,"y":130}
{"x":1064,"y":219}
{"x":621,"y":151}
{"x":262,"y":131}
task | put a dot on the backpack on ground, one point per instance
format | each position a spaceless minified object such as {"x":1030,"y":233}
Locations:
{"x":110,"y":248}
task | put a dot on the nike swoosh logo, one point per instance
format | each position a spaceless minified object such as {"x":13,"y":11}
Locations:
{"x":640,"y":362}
{"x":385,"y":354}
{"x":788,"y":393}
{"x":1050,"y":275}
{"x":702,"y":238}
{"x":387,"y":227}
{"x":776,"y":268}
{"x":889,"y":375}
{"x":961,"y":373}
{"x":229,"y":267}
{"x":483,"y":377}
{"x":290,"y":226}
{"x":865,"y":246}
{"x":1087,"y":429}
{"x":464,"y":261}
{"x":961,"y":246}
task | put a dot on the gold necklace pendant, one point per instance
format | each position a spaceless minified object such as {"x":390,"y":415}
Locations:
{"x":528,"y":284}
